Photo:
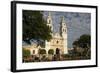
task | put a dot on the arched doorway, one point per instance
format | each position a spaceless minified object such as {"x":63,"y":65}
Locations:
{"x":57,"y":51}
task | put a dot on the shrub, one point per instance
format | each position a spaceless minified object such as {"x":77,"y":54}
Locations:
{"x":51,"y":51}
{"x":26,"y":53}
{"x":42,"y":51}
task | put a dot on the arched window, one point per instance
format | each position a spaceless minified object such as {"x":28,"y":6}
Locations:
{"x":65,"y":30}
{"x":33,"y":51}
{"x":57,"y":42}
{"x":49,"y":21}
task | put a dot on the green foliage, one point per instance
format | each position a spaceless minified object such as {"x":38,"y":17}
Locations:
{"x":51,"y":51}
{"x":26,"y":53}
{"x":84,"y":41}
{"x":34,"y":26}
{"x":42,"y":51}
{"x":66,"y":55}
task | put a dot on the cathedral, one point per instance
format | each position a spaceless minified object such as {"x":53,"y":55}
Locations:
{"x":58,"y":41}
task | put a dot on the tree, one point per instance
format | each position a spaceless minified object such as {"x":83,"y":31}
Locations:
{"x":26,"y":53}
{"x":51,"y":51}
{"x":34,"y":26}
{"x":84,"y":41}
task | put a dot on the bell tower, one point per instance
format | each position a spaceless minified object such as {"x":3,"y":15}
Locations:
{"x":49,"y":23}
{"x":63,"y":33}
{"x":63,"y":28}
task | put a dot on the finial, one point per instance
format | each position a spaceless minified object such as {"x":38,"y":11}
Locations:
{"x":62,"y":19}
{"x":49,"y":13}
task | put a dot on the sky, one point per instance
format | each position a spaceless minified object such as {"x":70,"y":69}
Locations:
{"x":77,"y":24}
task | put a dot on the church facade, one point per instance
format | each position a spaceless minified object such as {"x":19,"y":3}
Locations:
{"x":58,"y":41}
